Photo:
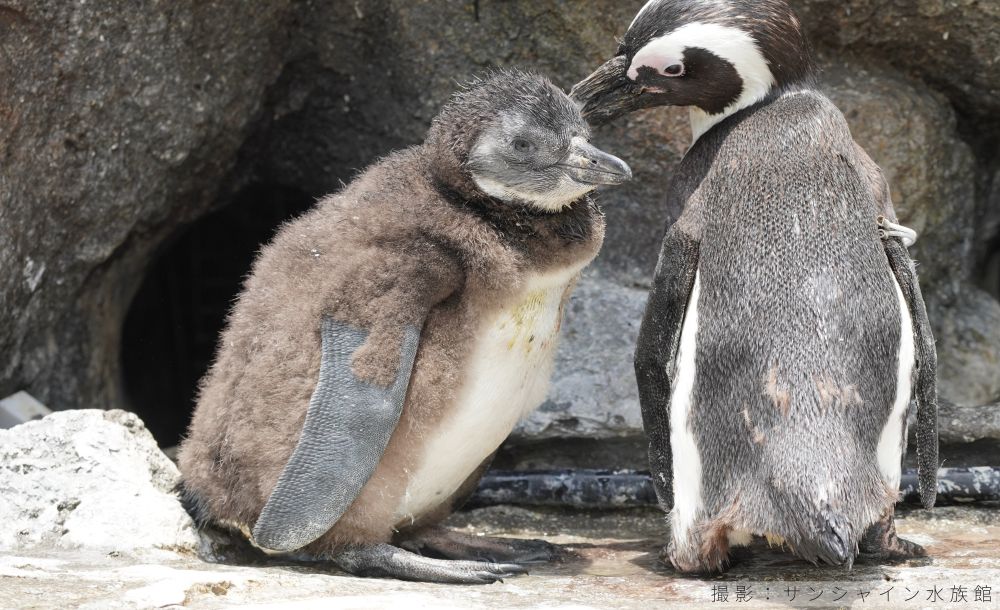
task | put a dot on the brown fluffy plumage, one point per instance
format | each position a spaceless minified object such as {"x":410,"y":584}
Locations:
{"x":411,"y":239}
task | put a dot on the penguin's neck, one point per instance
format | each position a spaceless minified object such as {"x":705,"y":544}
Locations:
{"x":755,"y":89}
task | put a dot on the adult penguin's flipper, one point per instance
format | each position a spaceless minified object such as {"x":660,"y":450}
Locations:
{"x":346,"y":430}
{"x":895,"y":239}
{"x":925,"y":390}
{"x":656,"y":351}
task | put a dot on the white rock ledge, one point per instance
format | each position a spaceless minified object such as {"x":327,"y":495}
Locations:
{"x":89,"y":479}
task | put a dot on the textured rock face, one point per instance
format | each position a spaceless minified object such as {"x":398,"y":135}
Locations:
{"x":954,"y":45}
{"x":116,"y":124}
{"x":988,"y":243}
{"x":910,"y":132}
{"x":593,"y":392}
{"x":89,"y":479}
{"x":968,"y":336}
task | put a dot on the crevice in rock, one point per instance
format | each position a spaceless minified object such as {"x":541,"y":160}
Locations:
{"x":173,"y":323}
{"x":316,"y":128}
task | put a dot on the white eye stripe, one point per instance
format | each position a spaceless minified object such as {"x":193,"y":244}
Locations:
{"x":653,"y":59}
{"x":732,"y":44}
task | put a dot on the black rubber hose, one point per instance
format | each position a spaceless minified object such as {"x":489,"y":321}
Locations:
{"x":633,"y":488}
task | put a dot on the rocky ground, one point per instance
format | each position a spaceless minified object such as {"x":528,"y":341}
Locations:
{"x":88,"y":519}
{"x":611,"y":562}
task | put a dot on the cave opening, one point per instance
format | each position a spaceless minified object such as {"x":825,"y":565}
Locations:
{"x":173,"y":324}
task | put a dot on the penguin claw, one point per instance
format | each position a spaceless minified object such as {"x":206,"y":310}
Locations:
{"x":894,"y":548}
{"x":386,"y":561}
{"x":511,"y":569}
{"x":449,"y":544}
{"x":497,"y":572}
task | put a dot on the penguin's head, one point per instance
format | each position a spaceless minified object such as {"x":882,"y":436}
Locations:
{"x":519,"y":139}
{"x":716,"y":56}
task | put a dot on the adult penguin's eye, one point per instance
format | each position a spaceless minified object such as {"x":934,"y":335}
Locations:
{"x":674,"y":70}
{"x":522,"y":146}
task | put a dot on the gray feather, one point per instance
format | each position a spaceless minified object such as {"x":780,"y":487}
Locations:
{"x":347,"y":427}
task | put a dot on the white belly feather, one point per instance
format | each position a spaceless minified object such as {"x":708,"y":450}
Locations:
{"x":686,"y":458}
{"x":890,"y":443}
{"x":507,"y":377}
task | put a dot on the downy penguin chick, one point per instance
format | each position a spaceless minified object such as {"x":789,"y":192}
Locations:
{"x":785,"y":333}
{"x":387,"y":341}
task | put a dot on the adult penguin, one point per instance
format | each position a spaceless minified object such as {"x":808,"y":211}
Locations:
{"x":785,"y":332}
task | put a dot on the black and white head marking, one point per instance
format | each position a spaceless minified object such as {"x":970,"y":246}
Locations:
{"x":715,"y":56}
{"x":724,"y":68}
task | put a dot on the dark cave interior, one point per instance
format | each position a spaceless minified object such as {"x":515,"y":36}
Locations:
{"x":173,"y":323}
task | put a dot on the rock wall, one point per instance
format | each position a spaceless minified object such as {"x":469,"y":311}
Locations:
{"x":118,"y":126}
{"x":952,"y":45}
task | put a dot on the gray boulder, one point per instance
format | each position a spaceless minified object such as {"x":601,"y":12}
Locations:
{"x":89,"y":479}
{"x":964,"y":424}
{"x":950,"y":44}
{"x":968,"y":341}
{"x":593,"y":392}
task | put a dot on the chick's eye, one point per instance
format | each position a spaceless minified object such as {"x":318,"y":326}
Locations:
{"x":521,"y":145}
{"x":674,"y":70}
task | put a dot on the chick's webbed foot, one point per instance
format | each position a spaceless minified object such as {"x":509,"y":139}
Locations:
{"x":387,"y":561}
{"x":443,"y":542}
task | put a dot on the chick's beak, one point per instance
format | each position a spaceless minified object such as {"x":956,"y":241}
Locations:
{"x":608,"y":93}
{"x":588,"y":164}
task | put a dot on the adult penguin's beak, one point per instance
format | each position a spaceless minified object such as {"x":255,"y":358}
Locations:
{"x":608,"y":93}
